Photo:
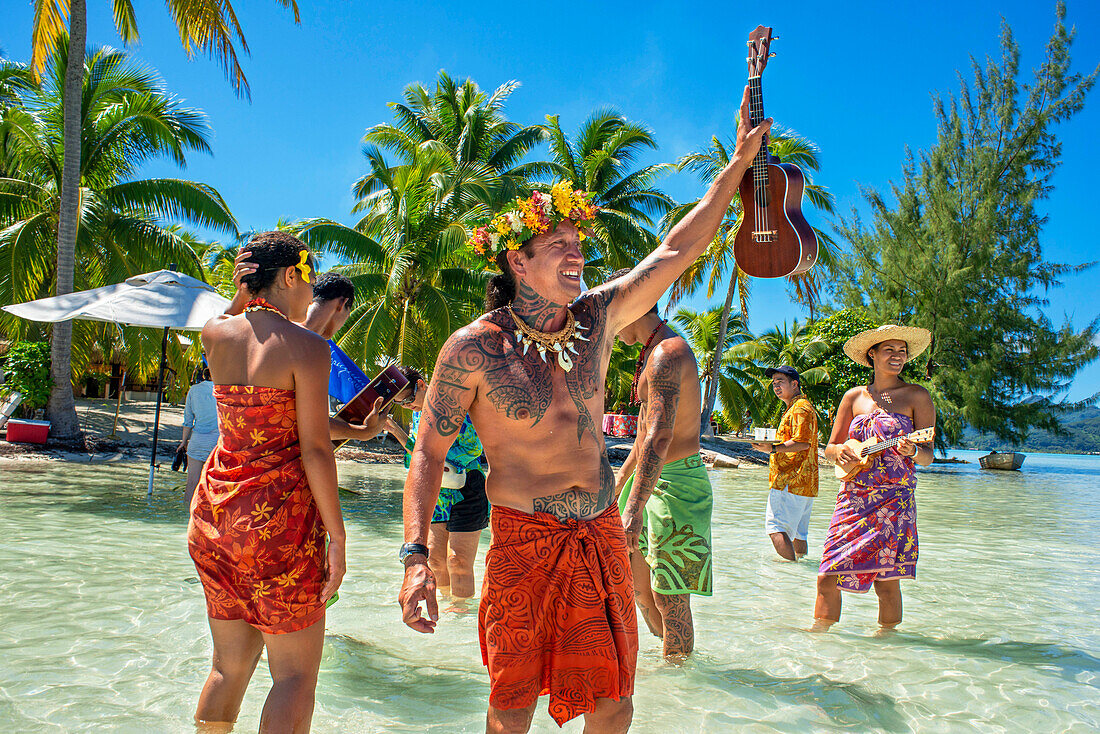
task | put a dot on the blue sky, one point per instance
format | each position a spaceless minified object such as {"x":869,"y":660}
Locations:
{"x":857,"y":78}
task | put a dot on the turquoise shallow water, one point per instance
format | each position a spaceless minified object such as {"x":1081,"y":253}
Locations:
{"x":102,"y":626}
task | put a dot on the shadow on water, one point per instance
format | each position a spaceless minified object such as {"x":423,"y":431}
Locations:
{"x":847,"y":704}
{"x":1066,"y":661}
{"x":410,"y":689}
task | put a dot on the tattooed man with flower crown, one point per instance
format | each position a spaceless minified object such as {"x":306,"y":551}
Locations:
{"x":557,"y":608}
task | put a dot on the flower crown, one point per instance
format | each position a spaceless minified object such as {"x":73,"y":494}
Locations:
{"x":536,"y":214}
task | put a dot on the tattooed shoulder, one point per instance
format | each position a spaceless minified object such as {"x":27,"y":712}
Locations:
{"x":461,"y":360}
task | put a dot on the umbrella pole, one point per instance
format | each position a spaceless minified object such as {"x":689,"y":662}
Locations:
{"x":121,"y":386}
{"x":118,"y":405}
{"x":156,"y":419}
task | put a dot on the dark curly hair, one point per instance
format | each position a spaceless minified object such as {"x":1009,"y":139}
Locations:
{"x":272,"y":251}
{"x":501,"y":288}
{"x":330,"y":286}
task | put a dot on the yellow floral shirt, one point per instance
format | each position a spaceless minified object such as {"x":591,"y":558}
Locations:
{"x":797,"y":472}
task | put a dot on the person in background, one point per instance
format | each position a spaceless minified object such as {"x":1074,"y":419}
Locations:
{"x":200,"y":427}
{"x":266,"y":531}
{"x":792,"y":468}
{"x":663,"y":490}
{"x":461,"y":513}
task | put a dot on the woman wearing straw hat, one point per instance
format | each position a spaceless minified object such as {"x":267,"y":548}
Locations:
{"x":872,"y":539}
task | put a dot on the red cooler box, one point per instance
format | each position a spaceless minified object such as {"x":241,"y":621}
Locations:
{"x":28,"y":431}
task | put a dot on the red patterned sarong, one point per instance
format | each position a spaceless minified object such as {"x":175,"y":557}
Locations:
{"x":255,"y":535}
{"x":557,"y":612}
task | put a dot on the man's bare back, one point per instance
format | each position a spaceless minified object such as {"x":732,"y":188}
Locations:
{"x":671,"y":370}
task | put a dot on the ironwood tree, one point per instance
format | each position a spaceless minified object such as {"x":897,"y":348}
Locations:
{"x":958,"y":249}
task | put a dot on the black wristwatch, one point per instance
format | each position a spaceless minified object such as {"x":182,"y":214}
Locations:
{"x":412,"y":549}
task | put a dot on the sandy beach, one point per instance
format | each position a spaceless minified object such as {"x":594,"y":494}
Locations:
{"x":133,"y":436}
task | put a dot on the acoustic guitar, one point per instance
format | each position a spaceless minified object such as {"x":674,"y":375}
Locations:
{"x":866,"y":450}
{"x":774,"y":239}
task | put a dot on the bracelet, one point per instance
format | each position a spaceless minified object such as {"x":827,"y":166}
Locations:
{"x":412,"y":549}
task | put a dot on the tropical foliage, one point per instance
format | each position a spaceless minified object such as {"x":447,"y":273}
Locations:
{"x":458,"y":157}
{"x":129,"y":119}
{"x":211,"y":27}
{"x":958,"y":251}
{"x":27,"y":371}
{"x":600,"y":159}
{"x":717,"y":264}
{"x":844,"y":374}
{"x":791,"y":344}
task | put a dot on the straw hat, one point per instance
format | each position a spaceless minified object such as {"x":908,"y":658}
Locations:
{"x":917,"y":338}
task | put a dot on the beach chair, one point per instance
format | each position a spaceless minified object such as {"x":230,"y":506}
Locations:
{"x":8,"y":406}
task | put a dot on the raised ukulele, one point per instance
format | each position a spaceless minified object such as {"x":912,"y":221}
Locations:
{"x":774,"y":239}
{"x":866,"y":450}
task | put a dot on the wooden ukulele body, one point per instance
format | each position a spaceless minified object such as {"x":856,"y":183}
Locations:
{"x":848,"y":470}
{"x":774,"y":239}
{"x":872,"y":447}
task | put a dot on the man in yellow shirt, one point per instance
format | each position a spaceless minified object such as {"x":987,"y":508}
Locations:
{"x":792,"y":470}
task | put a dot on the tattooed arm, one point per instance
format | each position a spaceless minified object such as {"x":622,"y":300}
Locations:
{"x":452,"y":390}
{"x":635,"y":293}
{"x":663,"y":375}
{"x":628,"y":466}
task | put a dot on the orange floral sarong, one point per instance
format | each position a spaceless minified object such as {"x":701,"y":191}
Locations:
{"x":557,"y":612}
{"x":255,"y":534}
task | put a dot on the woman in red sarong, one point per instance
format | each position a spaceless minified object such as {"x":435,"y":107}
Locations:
{"x":267,"y":500}
{"x":872,"y":539}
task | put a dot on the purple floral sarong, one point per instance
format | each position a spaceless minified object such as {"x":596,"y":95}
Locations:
{"x":873,"y":533}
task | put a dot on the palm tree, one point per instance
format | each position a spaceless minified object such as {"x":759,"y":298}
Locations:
{"x":470,"y":126}
{"x":457,"y":158}
{"x":407,"y":256}
{"x":128,"y":120}
{"x":211,"y":27}
{"x":718,"y":259}
{"x":792,"y":344}
{"x":738,"y":390}
{"x":600,"y":159}
{"x":620,"y":375}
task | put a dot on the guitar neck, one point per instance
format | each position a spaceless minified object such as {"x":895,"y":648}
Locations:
{"x":882,"y":446}
{"x":756,"y":116}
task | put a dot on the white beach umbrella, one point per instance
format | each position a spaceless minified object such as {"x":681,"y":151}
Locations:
{"x":162,"y":299}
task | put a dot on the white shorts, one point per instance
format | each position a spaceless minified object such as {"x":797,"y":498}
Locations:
{"x":788,"y":513}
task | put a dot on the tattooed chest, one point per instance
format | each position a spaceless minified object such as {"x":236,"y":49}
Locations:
{"x":526,"y":388}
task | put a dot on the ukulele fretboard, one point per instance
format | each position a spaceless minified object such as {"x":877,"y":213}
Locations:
{"x":763,"y":231}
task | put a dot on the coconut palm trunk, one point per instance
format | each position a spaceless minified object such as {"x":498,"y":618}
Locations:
{"x":736,"y":284}
{"x":61,"y":408}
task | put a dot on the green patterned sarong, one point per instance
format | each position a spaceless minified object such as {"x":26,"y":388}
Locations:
{"x":676,"y":528}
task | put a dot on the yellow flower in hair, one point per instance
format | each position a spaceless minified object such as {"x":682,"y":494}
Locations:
{"x":562,"y":193}
{"x":303,"y":266}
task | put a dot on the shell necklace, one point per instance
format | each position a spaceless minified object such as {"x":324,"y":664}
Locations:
{"x":261,"y":304}
{"x":559,"y":342}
